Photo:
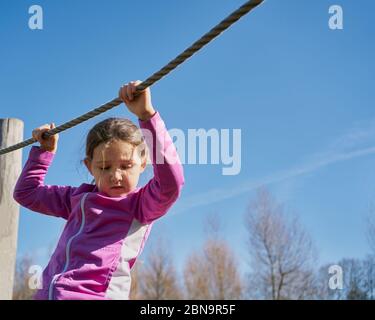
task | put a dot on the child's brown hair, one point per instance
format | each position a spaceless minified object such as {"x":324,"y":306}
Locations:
{"x":115,"y":129}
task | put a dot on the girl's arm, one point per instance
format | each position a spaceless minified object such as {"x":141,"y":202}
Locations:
{"x":32,"y":193}
{"x":158,"y":195}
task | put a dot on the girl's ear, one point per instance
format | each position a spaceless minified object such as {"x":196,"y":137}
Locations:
{"x":144,"y":164}
{"x":88,"y":164}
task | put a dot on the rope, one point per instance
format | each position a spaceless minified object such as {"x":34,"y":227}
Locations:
{"x":196,"y":46}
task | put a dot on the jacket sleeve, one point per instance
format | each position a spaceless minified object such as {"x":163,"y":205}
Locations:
{"x":159,"y":194}
{"x":31,"y":192}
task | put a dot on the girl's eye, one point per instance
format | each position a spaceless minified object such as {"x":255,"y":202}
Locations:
{"x":124,"y":167}
{"x":127,"y":167}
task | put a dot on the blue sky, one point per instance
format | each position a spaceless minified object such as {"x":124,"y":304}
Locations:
{"x":301,"y":93}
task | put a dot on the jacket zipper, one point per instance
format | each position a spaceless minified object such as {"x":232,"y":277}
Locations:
{"x":67,"y":250}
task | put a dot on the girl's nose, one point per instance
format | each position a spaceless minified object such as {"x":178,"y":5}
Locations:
{"x":116,"y":176}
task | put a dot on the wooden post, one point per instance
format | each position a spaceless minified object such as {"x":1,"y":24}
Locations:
{"x":11,"y":132}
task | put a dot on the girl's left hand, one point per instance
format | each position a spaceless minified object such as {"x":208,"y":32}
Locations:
{"x":141,"y":104}
{"x":48,"y":144}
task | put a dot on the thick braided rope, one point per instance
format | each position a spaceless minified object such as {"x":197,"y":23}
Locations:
{"x":196,"y":46}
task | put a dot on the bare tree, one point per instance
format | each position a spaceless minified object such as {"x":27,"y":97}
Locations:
{"x":212,"y":273}
{"x":369,"y":263}
{"x":135,"y":272}
{"x":369,"y":275}
{"x":371,"y":229}
{"x":354,"y":282}
{"x":324,"y":291}
{"x":157,"y":278}
{"x":357,"y":276}
{"x":355,"y":287}
{"x":22,"y":290}
{"x":357,"y":280}
{"x":281,"y":252}
{"x":196,"y":275}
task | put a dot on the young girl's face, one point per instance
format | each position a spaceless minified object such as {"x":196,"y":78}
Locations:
{"x":116,"y":166}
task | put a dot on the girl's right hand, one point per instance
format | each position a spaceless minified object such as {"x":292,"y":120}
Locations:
{"x":48,"y":144}
{"x":140,"y":104}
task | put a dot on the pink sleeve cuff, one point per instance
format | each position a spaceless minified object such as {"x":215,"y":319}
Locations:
{"x":41,"y":156}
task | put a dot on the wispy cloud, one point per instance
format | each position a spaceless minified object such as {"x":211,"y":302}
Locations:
{"x":347,"y":147}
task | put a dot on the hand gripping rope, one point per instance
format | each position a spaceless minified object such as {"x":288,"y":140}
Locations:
{"x":213,"y":33}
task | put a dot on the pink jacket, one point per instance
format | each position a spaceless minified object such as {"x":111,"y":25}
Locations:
{"x":103,"y":236}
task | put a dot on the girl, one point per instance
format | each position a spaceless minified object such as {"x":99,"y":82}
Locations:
{"x":107,"y":222}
